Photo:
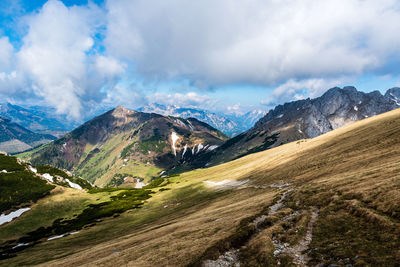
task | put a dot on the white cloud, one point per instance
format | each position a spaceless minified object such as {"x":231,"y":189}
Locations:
{"x":128,"y":96}
{"x":305,"y":46}
{"x":108,"y":66}
{"x":299,"y":89}
{"x":54,"y":54}
{"x":190,"y":99}
{"x":235,"y":109}
{"x":262,"y":42}
{"x":6,"y":53}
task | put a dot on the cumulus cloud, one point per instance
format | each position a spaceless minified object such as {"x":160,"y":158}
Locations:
{"x":53,"y":54}
{"x":190,"y":99}
{"x":299,"y":89}
{"x":108,"y":66}
{"x":6,"y":53}
{"x":258,"y":41}
{"x":74,"y":56}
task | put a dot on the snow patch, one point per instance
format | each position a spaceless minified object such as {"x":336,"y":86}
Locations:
{"x":190,"y":125}
{"x":4,"y":171}
{"x":194,"y":149}
{"x":140,"y":184}
{"x":200,"y":147}
{"x":12,"y":215}
{"x":174,"y":138}
{"x":225,"y":184}
{"x":48,"y":177}
{"x":60,"y":236}
{"x":212,"y":148}
{"x":184,"y":150}
{"x":355,"y":108}
{"x":73,"y":185}
{"x":395,"y":99}
{"x":279,"y":116}
{"x":32,"y":169}
{"x":20,"y":245}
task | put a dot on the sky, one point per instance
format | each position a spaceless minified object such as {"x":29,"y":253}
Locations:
{"x":79,"y":56}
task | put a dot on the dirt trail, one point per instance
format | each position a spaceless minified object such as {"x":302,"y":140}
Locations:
{"x":231,"y":257}
{"x":297,"y":252}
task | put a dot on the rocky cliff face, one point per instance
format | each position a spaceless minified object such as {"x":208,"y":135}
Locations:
{"x":305,"y":119}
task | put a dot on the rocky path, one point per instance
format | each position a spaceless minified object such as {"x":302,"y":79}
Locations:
{"x":231,"y":257}
{"x":297,"y":252}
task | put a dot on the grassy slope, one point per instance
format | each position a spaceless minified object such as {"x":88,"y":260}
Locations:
{"x":350,"y":175}
{"x":18,"y":186}
{"x":62,"y":203}
{"x":102,"y":167}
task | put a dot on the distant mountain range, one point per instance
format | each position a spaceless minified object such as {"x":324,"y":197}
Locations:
{"x":15,"y":138}
{"x":231,"y":125}
{"x":44,"y":120}
{"x":303,"y":119}
{"x":37,"y":119}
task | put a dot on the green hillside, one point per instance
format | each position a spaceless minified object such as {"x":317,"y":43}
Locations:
{"x":123,"y":147}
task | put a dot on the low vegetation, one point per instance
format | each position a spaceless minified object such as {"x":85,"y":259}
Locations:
{"x":57,"y":172}
{"x":21,"y":187}
{"x":125,"y":199}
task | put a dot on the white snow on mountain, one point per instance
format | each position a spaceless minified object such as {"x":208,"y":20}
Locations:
{"x":174,"y":138}
{"x":12,"y":215}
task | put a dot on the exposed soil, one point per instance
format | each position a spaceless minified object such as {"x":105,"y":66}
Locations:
{"x":297,"y":252}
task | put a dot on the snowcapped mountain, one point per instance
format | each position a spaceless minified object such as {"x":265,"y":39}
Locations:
{"x":231,"y":125}
{"x":248,"y":119}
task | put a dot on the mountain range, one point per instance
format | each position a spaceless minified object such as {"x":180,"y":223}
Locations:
{"x":15,"y":138}
{"x":43,"y":120}
{"x":123,"y":146}
{"x":38,"y":119}
{"x":120,"y":142}
{"x":232,"y":124}
{"x":303,"y":119}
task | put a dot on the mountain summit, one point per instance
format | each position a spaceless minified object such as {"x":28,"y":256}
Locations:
{"x":126,"y":146}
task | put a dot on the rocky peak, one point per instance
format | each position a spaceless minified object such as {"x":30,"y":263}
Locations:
{"x":350,"y":89}
{"x":121,"y":112}
{"x":394,"y":95}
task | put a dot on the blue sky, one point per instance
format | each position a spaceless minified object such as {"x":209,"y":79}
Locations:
{"x":228,"y":56}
